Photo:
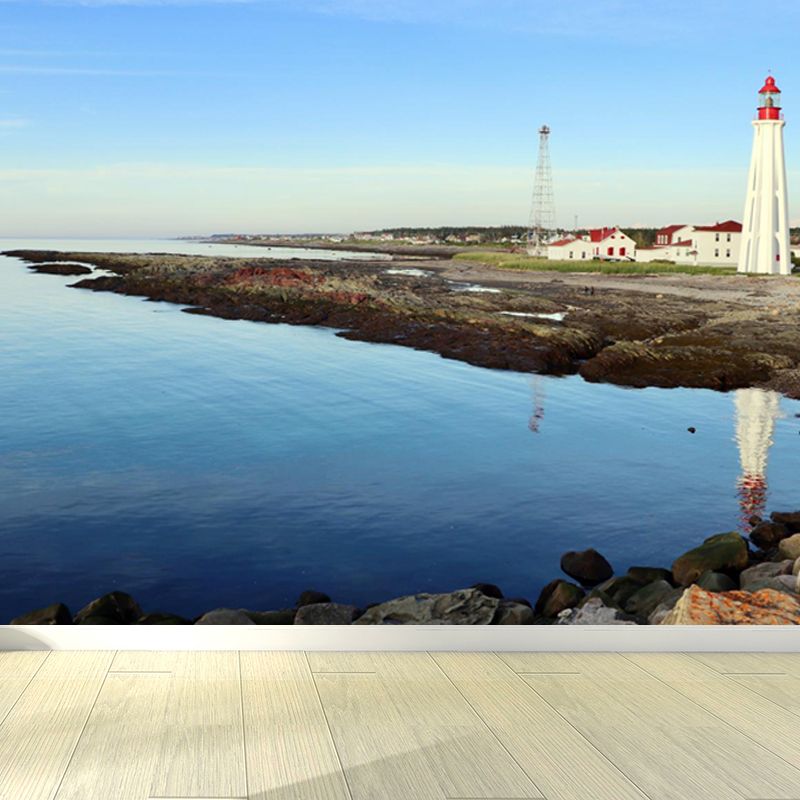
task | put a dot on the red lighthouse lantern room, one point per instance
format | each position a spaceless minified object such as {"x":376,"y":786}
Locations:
{"x":769,"y":100}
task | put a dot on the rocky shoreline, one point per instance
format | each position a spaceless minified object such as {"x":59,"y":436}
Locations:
{"x":558,"y":327}
{"x":726,"y":580}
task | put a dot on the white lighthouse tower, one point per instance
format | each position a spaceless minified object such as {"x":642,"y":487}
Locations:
{"x":765,"y":234}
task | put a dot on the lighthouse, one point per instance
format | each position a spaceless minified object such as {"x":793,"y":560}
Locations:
{"x":765,"y":234}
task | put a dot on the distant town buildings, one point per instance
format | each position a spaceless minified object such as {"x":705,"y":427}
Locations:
{"x":602,"y":243}
{"x":707,"y":245}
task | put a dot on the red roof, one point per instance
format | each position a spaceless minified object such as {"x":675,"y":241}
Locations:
{"x":682,"y":244}
{"x":769,"y":87}
{"x":561,"y":242}
{"x":669,"y":230}
{"x":729,"y":226}
{"x":598,"y":234}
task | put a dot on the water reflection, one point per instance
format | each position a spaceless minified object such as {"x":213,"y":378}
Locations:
{"x":535,"y":421}
{"x":756,"y":413}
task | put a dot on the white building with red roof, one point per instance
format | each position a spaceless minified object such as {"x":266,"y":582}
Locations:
{"x":599,"y":243}
{"x":707,"y":245}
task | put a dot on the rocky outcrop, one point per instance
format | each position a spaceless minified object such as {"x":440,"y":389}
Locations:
{"x":57,"y":614}
{"x":60,"y":269}
{"x":764,"y":607}
{"x":594,"y":612}
{"x":588,"y":567}
{"x":721,"y":553}
{"x":463,"y":607}
{"x":225,"y":616}
{"x":325,"y":614}
{"x":558,"y":596}
{"x":790,"y":548}
{"x":115,"y":608}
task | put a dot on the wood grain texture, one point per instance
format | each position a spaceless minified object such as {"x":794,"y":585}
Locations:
{"x":41,"y":731}
{"x":558,"y":759}
{"x":751,"y":663}
{"x":16,"y":672}
{"x":118,"y":750}
{"x":144,"y":661}
{"x":290,"y":752}
{"x":783,"y":690}
{"x":202,"y":743}
{"x":763,"y":721}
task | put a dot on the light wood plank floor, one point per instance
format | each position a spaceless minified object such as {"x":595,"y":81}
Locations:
{"x":399,"y":726}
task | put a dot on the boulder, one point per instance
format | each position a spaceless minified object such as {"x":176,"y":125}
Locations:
{"x":594,"y":612}
{"x":489,"y":589}
{"x":225,"y":616}
{"x":644,"y":602}
{"x":616,"y":591}
{"x":513,"y":614}
{"x":767,"y":534}
{"x":284,"y":616}
{"x":557,"y":596}
{"x":309,"y":597}
{"x":790,"y":519}
{"x":326,"y":614}
{"x":118,"y":607}
{"x":57,"y":614}
{"x":161,"y":618}
{"x":764,"y":607}
{"x":462,"y":607}
{"x":645,"y":575}
{"x":716,"y":582}
{"x":790,"y":548}
{"x":664,"y":607}
{"x":725,"y":552}
{"x":796,"y":567}
{"x":760,"y":572}
{"x":98,"y":619}
{"x":588,"y":567}
{"x":780,"y":583}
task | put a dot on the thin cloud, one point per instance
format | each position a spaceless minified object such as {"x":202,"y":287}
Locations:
{"x":9,"y":124}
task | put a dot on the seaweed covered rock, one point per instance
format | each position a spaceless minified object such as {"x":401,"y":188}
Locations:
{"x":725,"y":552}
{"x":643,"y":602}
{"x":56,"y":614}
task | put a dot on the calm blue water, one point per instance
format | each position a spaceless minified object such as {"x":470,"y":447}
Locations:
{"x":197,"y":462}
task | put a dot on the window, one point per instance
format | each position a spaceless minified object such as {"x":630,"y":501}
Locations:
{"x":622,"y":251}
{"x":728,"y":238}
{"x":570,"y":253}
{"x":583,"y":254}
{"x":716,"y":252}
{"x":716,"y":237}
{"x":728,"y":253}
{"x":611,"y":251}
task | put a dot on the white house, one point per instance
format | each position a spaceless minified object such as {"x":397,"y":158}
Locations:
{"x":600,"y":243}
{"x":707,"y":245}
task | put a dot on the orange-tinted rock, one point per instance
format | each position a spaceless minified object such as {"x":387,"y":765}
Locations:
{"x":764,"y":607}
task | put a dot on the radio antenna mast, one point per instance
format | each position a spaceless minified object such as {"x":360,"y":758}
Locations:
{"x":543,"y":208}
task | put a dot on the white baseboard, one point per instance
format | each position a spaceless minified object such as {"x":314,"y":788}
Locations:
{"x":533,"y":638}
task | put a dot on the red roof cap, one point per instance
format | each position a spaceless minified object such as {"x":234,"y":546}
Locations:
{"x":561,"y":242}
{"x":598,"y":234}
{"x":769,"y":86}
{"x":729,"y":226}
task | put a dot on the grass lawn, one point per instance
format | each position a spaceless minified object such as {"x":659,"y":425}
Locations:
{"x":520,"y":261}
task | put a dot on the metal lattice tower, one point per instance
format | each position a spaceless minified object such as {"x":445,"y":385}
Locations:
{"x":543,"y":208}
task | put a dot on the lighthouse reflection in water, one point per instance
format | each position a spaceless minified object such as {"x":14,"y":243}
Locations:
{"x":756,"y":413}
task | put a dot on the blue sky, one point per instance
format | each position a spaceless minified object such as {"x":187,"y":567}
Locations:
{"x":165,"y":117}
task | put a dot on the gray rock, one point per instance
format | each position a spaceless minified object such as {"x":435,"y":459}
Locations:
{"x":716,"y":582}
{"x":588,"y":567}
{"x":57,"y":614}
{"x":513,"y":614}
{"x":593,"y":612}
{"x":644,"y":602}
{"x":796,"y":567}
{"x":790,"y":548}
{"x":284,"y":616}
{"x":767,"y":534}
{"x":664,"y":608}
{"x":325,"y":614}
{"x":225,"y":616}
{"x":462,"y":607}
{"x":761,"y":572}
{"x":780,"y":583}
{"x":309,"y":597}
{"x":119,"y":607}
{"x":616,"y":591}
